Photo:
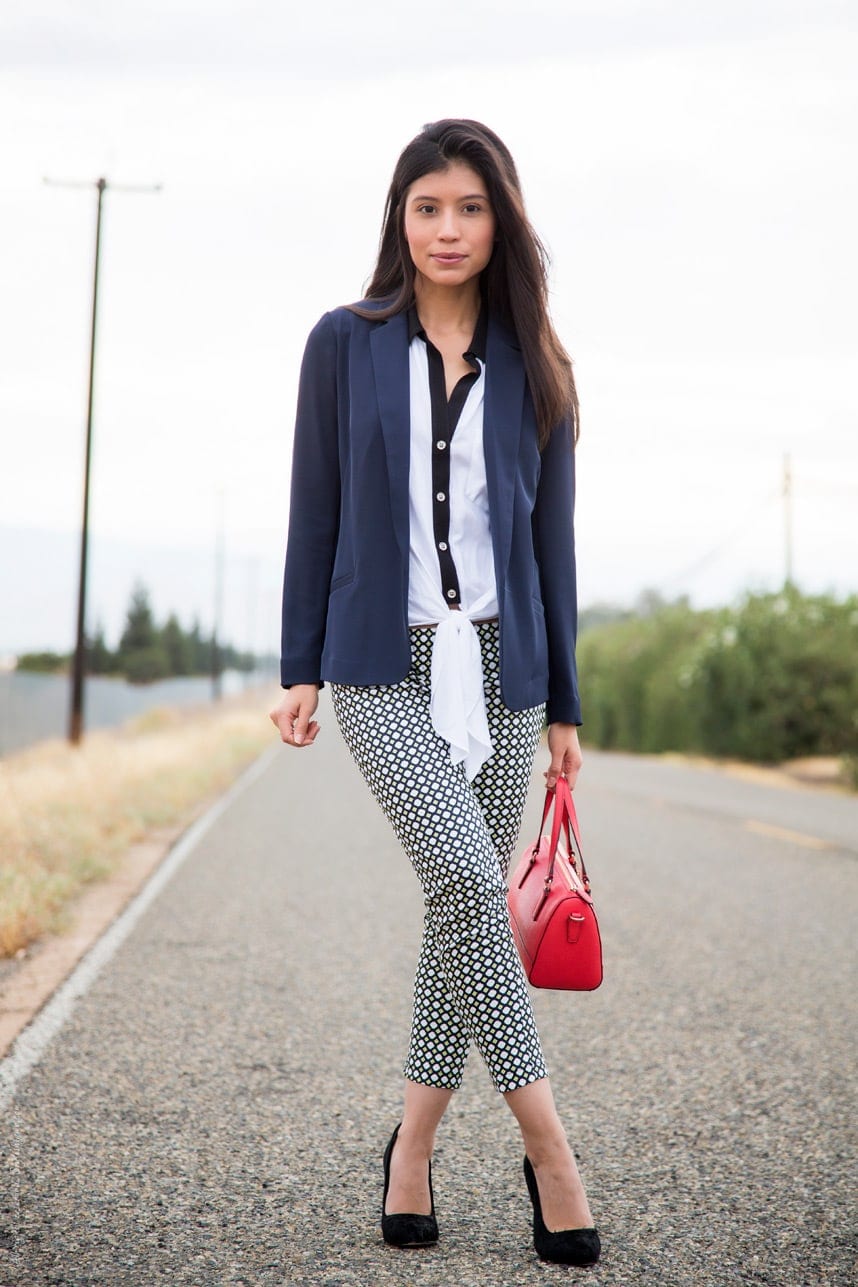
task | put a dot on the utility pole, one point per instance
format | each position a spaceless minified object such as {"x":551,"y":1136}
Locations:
{"x":787,"y":495}
{"x":79,"y":662}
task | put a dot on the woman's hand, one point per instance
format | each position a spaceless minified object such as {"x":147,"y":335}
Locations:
{"x":566,"y":757}
{"x":293,"y":715}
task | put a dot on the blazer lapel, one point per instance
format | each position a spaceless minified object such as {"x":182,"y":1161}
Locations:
{"x":502,"y":420}
{"x":389,"y":346}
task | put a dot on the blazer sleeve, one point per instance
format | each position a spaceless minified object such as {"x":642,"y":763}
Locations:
{"x":554,"y":543}
{"x":313,"y":511}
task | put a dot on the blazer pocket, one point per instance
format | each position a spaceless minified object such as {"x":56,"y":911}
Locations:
{"x":345,"y":578}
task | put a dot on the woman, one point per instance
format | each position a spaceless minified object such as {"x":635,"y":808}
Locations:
{"x":430,"y":577}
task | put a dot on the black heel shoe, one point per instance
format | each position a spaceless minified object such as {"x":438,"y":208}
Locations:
{"x":406,"y":1230}
{"x":565,"y":1246}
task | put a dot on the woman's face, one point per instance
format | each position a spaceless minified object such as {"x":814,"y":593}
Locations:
{"x":449,"y":225}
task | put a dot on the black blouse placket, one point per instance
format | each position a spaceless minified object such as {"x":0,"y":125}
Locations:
{"x":445,"y":417}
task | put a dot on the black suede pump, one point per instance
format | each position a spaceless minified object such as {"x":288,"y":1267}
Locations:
{"x":401,"y":1230}
{"x":565,"y":1246}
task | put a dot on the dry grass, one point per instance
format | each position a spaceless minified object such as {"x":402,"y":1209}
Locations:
{"x":67,"y":815}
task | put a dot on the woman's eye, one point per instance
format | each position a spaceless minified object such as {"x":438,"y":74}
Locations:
{"x":473,"y":209}
{"x":425,"y":209}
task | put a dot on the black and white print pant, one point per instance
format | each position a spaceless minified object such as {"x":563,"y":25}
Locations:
{"x":470,"y":985}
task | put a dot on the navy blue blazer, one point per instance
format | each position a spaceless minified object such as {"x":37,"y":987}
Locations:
{"x":345,"y":591}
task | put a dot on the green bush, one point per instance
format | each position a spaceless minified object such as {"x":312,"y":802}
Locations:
{"x":144,"y":665}
{"x":635,"y":677}
{"x":771,"y":679}
{"x":780,"y":679}
{"x":42,"y":663}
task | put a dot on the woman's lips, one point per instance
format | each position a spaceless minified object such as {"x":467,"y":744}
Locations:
{"x":448,"y":259}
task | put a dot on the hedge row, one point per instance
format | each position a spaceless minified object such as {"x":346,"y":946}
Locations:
{"x":771,"y":679}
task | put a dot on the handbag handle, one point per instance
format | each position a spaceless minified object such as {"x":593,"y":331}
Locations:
{"x":564,"y":812}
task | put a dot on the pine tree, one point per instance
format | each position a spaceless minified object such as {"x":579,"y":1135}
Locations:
{"x":177,"y":645}
{"x":99,"y":659}
{"x":139,"y":631}
{"x":142,"y":656}
{"x":201,"y":650}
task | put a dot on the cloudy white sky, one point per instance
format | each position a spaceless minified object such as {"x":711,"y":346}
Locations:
{"x":691,"y":167}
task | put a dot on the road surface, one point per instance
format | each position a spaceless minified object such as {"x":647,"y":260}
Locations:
{"x":214,"y":1109}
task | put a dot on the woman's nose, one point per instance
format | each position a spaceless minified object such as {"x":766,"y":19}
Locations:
{"x":449,"y":230}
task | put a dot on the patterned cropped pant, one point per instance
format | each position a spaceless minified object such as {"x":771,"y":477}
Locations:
{"x":470,"y":985}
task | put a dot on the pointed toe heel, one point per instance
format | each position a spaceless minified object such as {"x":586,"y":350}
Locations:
{"x":564,"y":1246}
{"x":401,"y":1229}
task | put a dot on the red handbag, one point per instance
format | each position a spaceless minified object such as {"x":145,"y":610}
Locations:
{"x":551,"y":910}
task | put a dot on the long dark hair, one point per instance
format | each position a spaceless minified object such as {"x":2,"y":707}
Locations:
{"x":515,"y":281}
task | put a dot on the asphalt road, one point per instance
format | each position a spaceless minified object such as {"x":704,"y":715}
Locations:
{"x":215,"y":1108}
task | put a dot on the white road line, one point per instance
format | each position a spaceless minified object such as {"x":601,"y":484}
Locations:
{"x":38,"y":1035}
{"x":784,"y":833}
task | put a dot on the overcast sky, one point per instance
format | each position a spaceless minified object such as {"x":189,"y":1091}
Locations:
{"x":691,"y":167}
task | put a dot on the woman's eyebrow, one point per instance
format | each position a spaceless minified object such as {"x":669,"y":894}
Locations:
{"x":471,"y":196}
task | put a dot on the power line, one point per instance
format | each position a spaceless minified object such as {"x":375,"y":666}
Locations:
{"x":813,"y":485}
{"x":750,"y":520}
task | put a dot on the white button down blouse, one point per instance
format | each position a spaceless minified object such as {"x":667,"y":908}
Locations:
{"x":457,"y":700}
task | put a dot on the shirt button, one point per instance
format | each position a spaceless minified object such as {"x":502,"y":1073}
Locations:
{"x":451,"y":594}
{"x":440,"y":496}
{"x":442,"y":545}
{"x":440,"y":444}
